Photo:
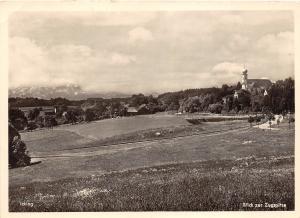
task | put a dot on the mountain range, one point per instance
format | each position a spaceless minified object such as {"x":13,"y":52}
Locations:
{"x":70,"y":91}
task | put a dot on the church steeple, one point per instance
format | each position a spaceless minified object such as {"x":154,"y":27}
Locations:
{"x":245,"y":79}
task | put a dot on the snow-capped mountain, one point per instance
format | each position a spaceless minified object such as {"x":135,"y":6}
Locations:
{"x":70,"y":91}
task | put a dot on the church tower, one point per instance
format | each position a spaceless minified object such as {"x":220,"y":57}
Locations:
{"x":245,"y":79}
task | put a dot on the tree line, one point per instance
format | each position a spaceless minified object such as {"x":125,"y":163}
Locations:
{"x":280,"y":99}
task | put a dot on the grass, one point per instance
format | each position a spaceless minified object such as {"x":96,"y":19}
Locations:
{"x":214,"y":119}
{"x":124,"y":125}
{"x":199,"y":186}
{"x":208,"y":171}
{"x":202,"y":147}
{"x":105,"y":132}
{"x":46,"y":141}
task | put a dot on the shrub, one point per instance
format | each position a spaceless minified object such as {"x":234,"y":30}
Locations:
{"x":34,"y":113}
{"x":17,"y":118}
{"x":258,"y":119}
{"x":89,"y":115}
{"x":215,"y":108}
{"x":251,"y":120}
{"x":32,"y":126}
{"x":50,"y":121}
{"x":18,"y":154}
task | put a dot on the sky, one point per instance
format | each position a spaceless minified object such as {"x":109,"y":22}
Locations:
{"x":146,"y":52}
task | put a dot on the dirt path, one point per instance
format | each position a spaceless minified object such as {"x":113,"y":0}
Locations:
{"x":266,"y":125}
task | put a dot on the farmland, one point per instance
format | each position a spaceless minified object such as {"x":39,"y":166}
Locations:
{"x":122,"y":164}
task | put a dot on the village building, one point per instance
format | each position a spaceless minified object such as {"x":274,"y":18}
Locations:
{"x":131,"y":111}
{"x":255,"y":85}
{"x":256,"y":88}
{"x":142,"y":109}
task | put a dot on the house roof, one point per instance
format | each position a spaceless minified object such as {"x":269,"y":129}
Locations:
{"x":258,"y":83}
{"x":142,"y":106}
{"x":132,"y":110}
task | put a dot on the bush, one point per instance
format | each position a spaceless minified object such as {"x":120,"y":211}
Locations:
{"x":17,"y":118}
{"x":32,"y":126}
{"x":18,"y":154}
{"x":292,"y":120}
{"x":50,"y":121}
{"x":251,"y":120}
{"x":90,"y":115}
{"x":215,"y":108}
{"x":258,"y":119}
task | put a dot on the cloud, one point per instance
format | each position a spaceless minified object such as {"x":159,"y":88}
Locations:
{"x":139,"y":34}
{"x":37,"y":20}
{"x":27,"y":62}
{"x":227,"y":72}
{"x":238,"y":42}
{"x":116,"y":18}
{"x":122,"y":59}
{"x":165,"y":51}
{"x":281,"y":43}
{"x":31,"y":64}
{"x":228,"y":67}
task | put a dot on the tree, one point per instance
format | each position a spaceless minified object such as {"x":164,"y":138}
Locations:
{"x":137,"y":100}
{"x":236,"y":105}
{"x":31,"y":126}
{"x":152,"y":107}
{"x":70,"y":117}
{"x":244,"y":100}
{"x":50,"y":121}
{"x":257,"y":119}
{"x":34,"y":113}
{"x":17,"y":118}
{"x":270,"y":117}
{"x":89,"y":115}
{"x":18,"y":154}
{"x":278,"y":122}
{"x":173,"y":106}
{"x":251,"y":120}
{"x":215,"y":108}
{"x":238,"y":86}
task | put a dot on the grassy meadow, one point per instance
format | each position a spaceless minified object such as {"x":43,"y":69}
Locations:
{"x":207,"y":167}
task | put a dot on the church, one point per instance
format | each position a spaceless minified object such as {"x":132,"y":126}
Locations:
{"x":253,"y":86}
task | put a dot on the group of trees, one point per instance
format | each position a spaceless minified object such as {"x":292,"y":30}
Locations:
{"x":281,"y":96}
{"x":280,"y":99}
{"x":37,"y":102}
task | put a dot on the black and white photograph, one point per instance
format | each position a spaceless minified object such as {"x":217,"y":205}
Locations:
{"x":180,"y":110}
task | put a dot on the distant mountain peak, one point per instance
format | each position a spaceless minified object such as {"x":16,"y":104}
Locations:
{"x":68,"y":91}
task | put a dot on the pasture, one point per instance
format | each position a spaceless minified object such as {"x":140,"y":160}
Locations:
{"x":111,"y":127}
{"x":212,"y":166}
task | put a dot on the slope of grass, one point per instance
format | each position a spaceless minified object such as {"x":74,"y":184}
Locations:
{"x":103,"y":159}
{"x":218,"y":171}
{"x":47,"y":140}
{"x":199,"y":186}
{"x":124,"y":125}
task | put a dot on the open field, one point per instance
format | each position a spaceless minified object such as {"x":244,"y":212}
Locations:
{"x":212,"y":166}
{"x":208,"y":185}
{"x":74,"y":136}
{"x":111,"y":127}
